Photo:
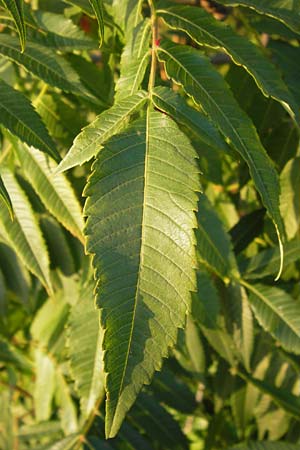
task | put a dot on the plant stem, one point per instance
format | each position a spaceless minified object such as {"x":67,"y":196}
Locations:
{"x":154,"y":43}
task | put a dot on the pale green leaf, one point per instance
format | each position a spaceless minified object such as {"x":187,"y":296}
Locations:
{"x":67,"y":410}
{"x":174,"y":104}
{"x":285,"y":11}
{"x":6,"y":199}
{"x":140,"y":230}
{"x":18,"y":115}
{"x":127,"y":14}
{"x":44,"y":63}
{"x":6,"y":420}
{"x":90,"y":140}
{"x":54,"y":189}
{"x":16,"y":8}
{"x":188,"y":67}
{"x":24,"y":234}
{"x":278,"y":313}
{"x":290,"y":197}
{"x":49,"y":322}
{"x":214,"y":247}
{"x":44,"y":387}
{"x":98,"y":8}
{"x":85,"y":351}
{"x":134,"y":61}
{"x":205,"y":30}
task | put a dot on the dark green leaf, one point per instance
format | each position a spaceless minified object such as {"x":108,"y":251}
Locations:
{"x":19,"y":116}
{"x":188,"y":67}
{"x":16,"y":8}
{"x":201,"y":27}
{"x":213,"y":243}
{"x":5,"y":198}
{"x":44,"y":63}
{"x":287,"y":12}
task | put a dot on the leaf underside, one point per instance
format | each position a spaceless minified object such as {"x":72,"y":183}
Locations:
{"x":140,"y":224}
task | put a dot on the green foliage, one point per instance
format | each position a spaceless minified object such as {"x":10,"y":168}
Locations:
{"x":185,"y":133}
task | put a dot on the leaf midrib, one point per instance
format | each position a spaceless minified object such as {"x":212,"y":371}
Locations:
{"x":141,"y":257}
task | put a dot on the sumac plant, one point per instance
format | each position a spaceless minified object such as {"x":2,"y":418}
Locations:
{"x":149,"y":224}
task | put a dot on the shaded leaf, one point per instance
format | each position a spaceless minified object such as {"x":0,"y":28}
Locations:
{"x":16,"y":8}
{"x":265,"y":262}
{"x":140,"y":230}
{"x":248,"y":228}
{"x":213,"y":243}
{"x":205,"y":30}
{"x":287,"y":12}
{"x":44,"y":63}
{"x":265,"y":445}
{"x":290,"y":197}
{"x":59,"y":248}
{"x":11,"y":355}
{"x":19,"y":116}
{"x":157,"y":423}
{"x":188,"y":67}
{"x":206,"y":311}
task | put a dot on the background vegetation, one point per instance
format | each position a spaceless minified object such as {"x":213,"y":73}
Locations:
{"x":191,"y":113}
